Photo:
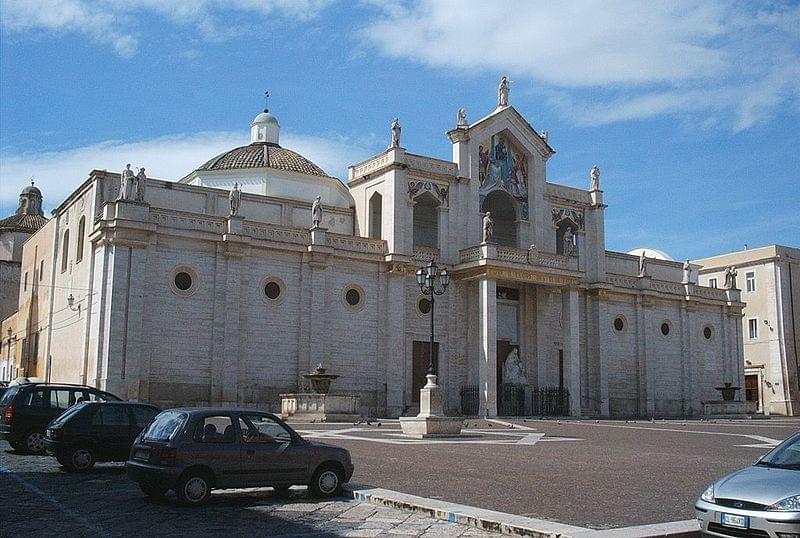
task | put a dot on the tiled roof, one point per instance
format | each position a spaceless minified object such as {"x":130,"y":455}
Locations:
{"x":260,"y":154}
{"x":22,"y":222}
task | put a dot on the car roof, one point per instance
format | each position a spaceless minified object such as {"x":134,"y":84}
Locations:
{"x":68,"y":385}
{"x":219,"y":410}
{"x":115,"y":402}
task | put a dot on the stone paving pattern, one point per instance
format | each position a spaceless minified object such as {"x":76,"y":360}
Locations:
{"x":36,"y":494}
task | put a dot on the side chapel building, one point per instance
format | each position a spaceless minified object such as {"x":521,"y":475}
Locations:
{"x":173,"y":299}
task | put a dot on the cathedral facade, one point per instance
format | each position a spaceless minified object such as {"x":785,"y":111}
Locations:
{"x":225,"y":287}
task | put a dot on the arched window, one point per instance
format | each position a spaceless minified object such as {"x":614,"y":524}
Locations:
{"x":375,"y":216}
{"x":426,"y":221}
{"x":81,"y":232}
{"x":65,"y":251}
{"x":504,"y":215}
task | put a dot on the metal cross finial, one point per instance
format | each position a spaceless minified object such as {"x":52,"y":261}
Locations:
{"x":266,"y":98}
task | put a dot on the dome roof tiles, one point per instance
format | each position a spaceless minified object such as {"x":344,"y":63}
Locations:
{"x":23,"y":222}
{"x":261,"y":154}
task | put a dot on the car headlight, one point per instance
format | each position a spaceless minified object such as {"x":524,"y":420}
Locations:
{"x":789,"y":504}
{"x":708,"y":494}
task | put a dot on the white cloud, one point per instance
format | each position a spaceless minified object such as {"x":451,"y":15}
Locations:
{"x":646,"y":58}
{"x":58,"y":173}
{"x":115,"y":23}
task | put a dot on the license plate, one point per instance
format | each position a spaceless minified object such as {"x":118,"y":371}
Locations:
{"x":141,"y":454}
{"x":732,"y":520}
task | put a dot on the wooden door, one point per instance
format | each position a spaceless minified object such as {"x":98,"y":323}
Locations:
{"x":751,"y":388}
{"x":419,"y":366}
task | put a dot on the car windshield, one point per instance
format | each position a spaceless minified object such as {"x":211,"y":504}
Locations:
{"x":165,"y":425}
{"x":8,"y":396}
{"x":785,"y":455}
{"x":72,"y":411}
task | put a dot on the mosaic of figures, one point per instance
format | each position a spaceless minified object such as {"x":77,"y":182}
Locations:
{"x":439,"y":191}
{"x":502,"y":165}
{"x":571,"y":214}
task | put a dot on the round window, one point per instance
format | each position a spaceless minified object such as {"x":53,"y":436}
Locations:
{"x":665,"y":328}
{"x":707,"y":333}
{"x":424,"y":305}
{"x":619,"y":323}
{"x":183,"y":281}
{"x":272,"y":290}
{"x":352,"y":297}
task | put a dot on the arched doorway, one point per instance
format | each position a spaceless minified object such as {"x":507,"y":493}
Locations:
{"x":504,"y":216}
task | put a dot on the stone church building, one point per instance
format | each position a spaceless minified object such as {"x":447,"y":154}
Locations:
{"x":187,"y":293}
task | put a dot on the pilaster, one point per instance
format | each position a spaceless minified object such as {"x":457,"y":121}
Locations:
{"x":487,"y":357}
{"x":572,"y":356}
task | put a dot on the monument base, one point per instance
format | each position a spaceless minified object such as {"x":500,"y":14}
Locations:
{"x":728,"y":407}
{"x":320,"y":407}
{"x":431,"y":422}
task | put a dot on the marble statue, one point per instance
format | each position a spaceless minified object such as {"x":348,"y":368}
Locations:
{"x":488,"y":227}
{"x":140,"y":184}
{"x":513,"y":371}
{"x":595,"y":178}
{"x":316,"y":212}
{"x":461,"y":118}
{"x":544,"y":135}
{"x":642,"y":264}
{"x":569,"y":244}
{"x":730,"y":278}
{"x":395,"y":134}
{"x":502,"y":92}
{"x":687,"y":270}
{"x":125,"y":184}
{"x":235,"y":199}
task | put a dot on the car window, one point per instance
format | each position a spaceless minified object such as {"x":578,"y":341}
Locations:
{"x":8,"y":396}
{"x":37,"y":398}
{"x":72,"y":411}
{"x":61,"y":398}
{"x":217,"y":429}
{"x":263,"y":429}
{"x":786,"y":454}
{"x":142,"y":416}
{"x":111,"y":415}
{"x":166,"y":425}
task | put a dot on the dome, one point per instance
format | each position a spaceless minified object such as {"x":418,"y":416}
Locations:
{"x":651,"y":253}
{"x":263,"y":154}
{"x":23,"y":222}
{"x":265,"y":117}
{"x":31,"y":189}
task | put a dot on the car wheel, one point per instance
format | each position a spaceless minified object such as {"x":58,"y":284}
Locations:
{"x":79,"y":460}
{"x":194,"y":488}
{"x":34,"y":442}
{"x":153,"y":490}
{"x":327,"y":481}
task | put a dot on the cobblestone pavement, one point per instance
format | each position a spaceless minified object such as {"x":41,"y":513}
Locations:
{"x":35,"y":494}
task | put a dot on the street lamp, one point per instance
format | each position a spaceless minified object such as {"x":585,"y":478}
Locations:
{"x":426,"y":278}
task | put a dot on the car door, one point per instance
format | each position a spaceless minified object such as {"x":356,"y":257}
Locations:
{"x":217,"y":445}
{"x":143,"y":415}
{"x":111,"y":425}
{"x":270,"y":454}
{"x":35,"y":412}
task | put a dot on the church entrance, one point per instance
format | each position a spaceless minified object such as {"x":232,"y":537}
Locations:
{"x":419,"y":366}
{"x":510,"y":392}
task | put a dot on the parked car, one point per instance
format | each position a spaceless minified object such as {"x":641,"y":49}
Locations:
{"x":762,"y":500}
{"x":89,"y":432}
{"x":27,"y":409}
{"x":193,"y":451}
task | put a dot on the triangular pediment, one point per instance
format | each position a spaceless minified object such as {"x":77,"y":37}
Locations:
{"x":508,"y":119}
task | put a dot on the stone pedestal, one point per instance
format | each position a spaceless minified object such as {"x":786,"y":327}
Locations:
{"x":235,"y":224}
{"x":728,"y":407}
{"x":320,"y":407}
{"x":431,"y":422}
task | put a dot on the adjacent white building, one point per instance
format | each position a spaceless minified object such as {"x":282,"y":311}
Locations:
{"x":177,"y":299}
{"x":769,"y":278}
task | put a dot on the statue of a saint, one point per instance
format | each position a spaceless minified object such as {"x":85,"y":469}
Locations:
{"x":488,"y":227}
{"x":125,"y":184}
{"x":642,"y":264}
{"x":513,"y":370}
{"x":594,"y":183}
{"x":502,"y":92}
{"x":569,"y":243}
{"x":140,"y":185}
{"x":316,"y":212}
{"x":687,"y":273}
{"x":730,"y":278}
{"x":544,"y":135}
{"x":461,"y":118}
{"x":395,"y":134}
{"x":235,"y":199}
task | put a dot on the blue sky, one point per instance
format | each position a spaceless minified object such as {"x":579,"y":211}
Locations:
{"x":691,"y":109}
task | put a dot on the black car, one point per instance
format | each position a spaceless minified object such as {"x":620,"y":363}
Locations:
{"x":26,"y":410}
{"x":96,"y":431}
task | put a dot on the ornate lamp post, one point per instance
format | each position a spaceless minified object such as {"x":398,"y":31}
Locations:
{"x":426,"y":278}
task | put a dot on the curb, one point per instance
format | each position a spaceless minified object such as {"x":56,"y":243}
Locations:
{"x":510,"y":524}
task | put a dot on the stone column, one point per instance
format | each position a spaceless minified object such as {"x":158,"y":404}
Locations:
{"x":393,"y":343}
{"x":487,"y":354}
{"x":572,"y":356}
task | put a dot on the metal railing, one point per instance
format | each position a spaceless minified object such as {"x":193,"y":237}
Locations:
{"x":550,"y":401}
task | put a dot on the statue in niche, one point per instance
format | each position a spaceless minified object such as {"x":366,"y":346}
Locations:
{"x":513,"y":370}
{"x":235,"y":199}
{"x":569,"y":242}
{"x":461,"y":118}
{"x":139,"y":185}
{"x":126,"y":181}
{"x":488,"y":227}
{"x":395,"y":134}
{"x":687,"y":272}
{"x":730,"y":278}
{"x":594,"y":183}
{"x":316,"y":212}
{"x":502,"y":92}
{"x":642,"y":264}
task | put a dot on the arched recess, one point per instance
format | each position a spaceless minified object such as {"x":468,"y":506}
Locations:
{"x":504,"y":216}
{"x":375,"y":216}
{"x":426,"y":221}
{"x":81,"y":234}
{"x":561,"y":229}
{"x":65,"y":251}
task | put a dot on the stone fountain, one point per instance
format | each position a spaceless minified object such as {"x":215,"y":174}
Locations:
{"x":728,"y":405}
{"x":319,"y":405}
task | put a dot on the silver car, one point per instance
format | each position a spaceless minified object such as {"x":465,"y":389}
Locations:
{"x":760,"y":501}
